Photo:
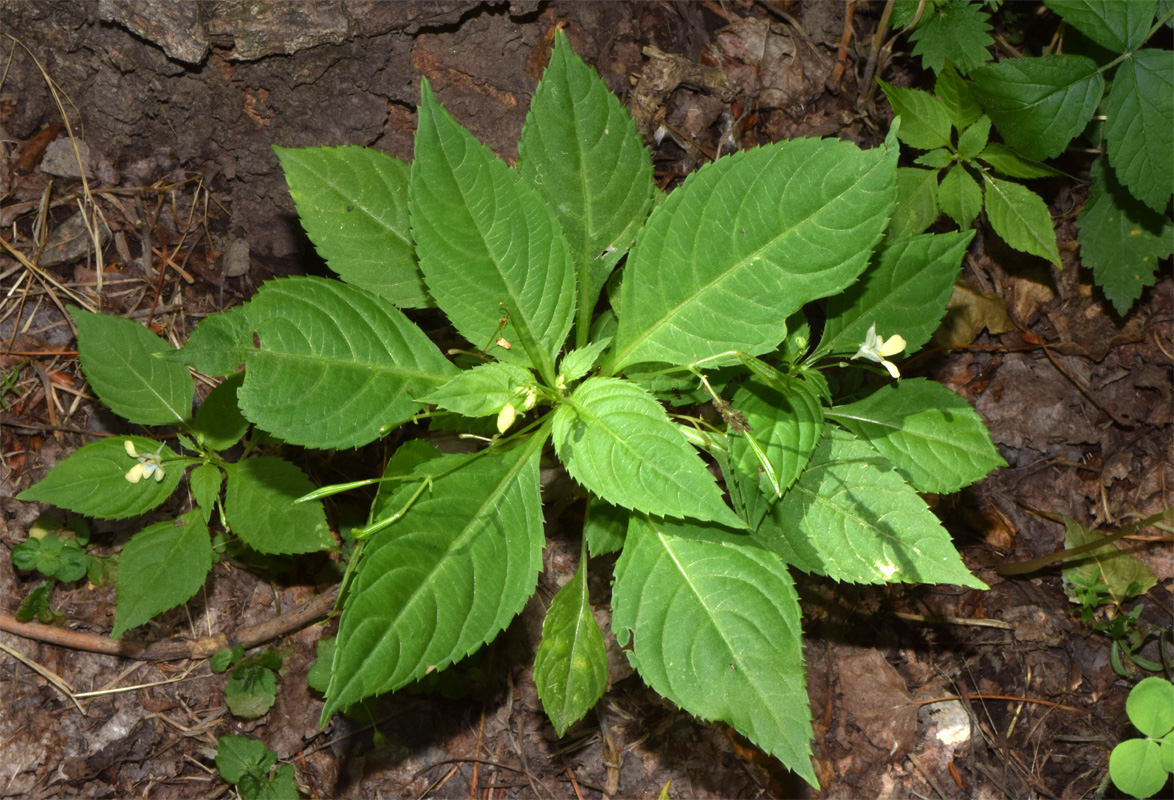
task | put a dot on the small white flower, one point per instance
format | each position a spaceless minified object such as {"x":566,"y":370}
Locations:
{"x":149,"y":464}
{"x":876,"y":349}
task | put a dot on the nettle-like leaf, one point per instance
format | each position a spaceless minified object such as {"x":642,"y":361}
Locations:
{"x":960,"y":196}
{"x":925,"y":120}
{"x":746,"y":241}
{"x":1112,"y":24}
{"x":570,"y":668}
{"x":851,"y":517}
{"x":1139,"y":131}
{"x":219,"y":423}
{"x":92,"y":480}
{"x":353,"y":203}
{"x":905,"y":293}
{"x":1121,"y":238}
{"x":1021,"y":218}
{"x":784,"y":429}
{"x":1039,"y":104}
{"x":956,"y":33}
{"x":954,"y":92}
{"x":490,"y":248}
{"x":205,"y":481}
{"x":161,"y":567}
{"x":714,"y":625}
{"x":616,"y":440}
{"x":581,"y":150}
{"x":445,"y":578}
{"x":931,"y":435}
{"x":260,"y":509}
{"x":482,"y":390}
{"x":578,"y":363}
{"x":973,"y":140}
{"x":333,"y":363}
{"x":118,"y":358}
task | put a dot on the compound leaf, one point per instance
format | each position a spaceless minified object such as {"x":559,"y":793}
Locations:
{"x":1139,"y":132}
{"x":118,"y":359}
{"x":92,"y":480}
{"x":959,"y":196}
{"x":955,"y":32}
{"x":925,"y":120}
{"x":490,"y":247}
{"x":260,"y":509}
{"x":1021,"y":218}
{"x":616,"y":440}
{"x":931,"y":435}
{"x":714,"y":624}
{"x":353,"y":203}
{"x":745,"y":241}
{"x":1039,"y":104}
{"x":1121,"y":238}
{"x":161,"y":567}
{"x":955,"y":94}
{"x":443,"y":579}
{"x":851,"y":517}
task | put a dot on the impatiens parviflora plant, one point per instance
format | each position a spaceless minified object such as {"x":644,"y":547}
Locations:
{"x":707,"y":308}
{"x":165,"y":564}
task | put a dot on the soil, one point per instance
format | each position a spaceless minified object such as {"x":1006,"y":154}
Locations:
{"x":174,"y":108}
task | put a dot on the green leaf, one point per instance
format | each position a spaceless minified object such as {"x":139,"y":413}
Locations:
{"x":935,"y":159}
{"x":1150,"y":706}
{"x":251,"y":691}
{"x":1011,"y":164}
{"x":931,"y":435}
{"x":604,"y":526}
{"x":917,"y":202}
{"x":219,"y":344}
{"x":956,"y":32}
{"x":578,"y":363}
{"x":205,"y":481}
{"x":1021,"y":218}
{"x":744,"y":242}
{"x":1113,"y":24}
{"x":1135,"y":766}
{"x":1115,"y":568}
{"x":219,"y":423}
{"x":117,"y":357}
{"x":282,"y":786}
{"x":161,"y":567}
{"x":318,"y":675}
{"x":445,"y":578}
{"x":581,"y":150}
{"x":488,"y":244}
{"x":616,"y":440}
{"x":851,"y":517}
{"x":905,"y":293}
{"x":954,"y":93}
{"x":237,"y":756}
{"x":714,"y":622}
{"x":959,"y":196}
{"x":570,"y":669}
{"x":482,"y":390}
{"x":353,"y":203}
{"x":1039,"y":104}
{"x":973,"y":140}
{"x":52,"y":556}
{"x":784,"y":429}
{"x":260,"y":509}
{"x":1121,"y":238}
{"x":92,"y":480}
{"x":334,"y":364}
{"x":925,"y":121}
{"x":1139,"y":133}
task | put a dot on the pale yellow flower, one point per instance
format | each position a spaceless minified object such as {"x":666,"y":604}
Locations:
{"x":876,"y":348}
{"x":149,"y":464}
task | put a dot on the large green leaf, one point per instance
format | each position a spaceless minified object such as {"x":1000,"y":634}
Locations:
{"x":784,"y":429}
{"x":925,"y":120}
{"x":1021,"y":218}
{"x":118,"y":359}
{"x":490,"y":247}
{"x":443,"y":579}
{"x":580,"y":149}
{"x":334,"y":363}
{"x":1039,"y":104}
{"x":1121,"y":238}
{"x":259,"y":506}
{"x":931,"y":435}
{"x":92,"y":480}
{"x":353,"y":203}
{"x":161,"y":567}
{"x":852,"y":518}
{"x":904,"y":293}
{"x":570,"y":669}
{"x":1139,"y":132}
{"x":714,"y":621}
{"x":745,"y":241}
{"x":616,"y":440}
{"x":1118,"y":25}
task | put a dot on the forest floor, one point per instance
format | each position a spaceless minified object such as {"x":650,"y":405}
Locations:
{"x":916,"y":691}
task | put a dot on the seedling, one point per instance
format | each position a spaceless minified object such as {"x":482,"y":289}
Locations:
{"x":248,"y":763}
{"x":1141,"y":767}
